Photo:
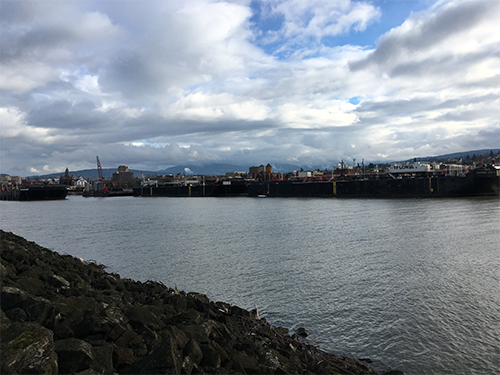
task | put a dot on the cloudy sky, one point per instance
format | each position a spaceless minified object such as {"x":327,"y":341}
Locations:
{"x":151,"y":84}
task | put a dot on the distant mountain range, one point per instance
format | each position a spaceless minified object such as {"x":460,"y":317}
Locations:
{"x":458,"y":155}
{"x":217,"y":169}
{"x":209,"y":169}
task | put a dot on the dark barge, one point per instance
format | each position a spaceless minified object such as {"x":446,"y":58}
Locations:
{"x":473,"y":184}
{"x":220,"y":189}
{"x":40,"y":192}
{"x":478,"y":182}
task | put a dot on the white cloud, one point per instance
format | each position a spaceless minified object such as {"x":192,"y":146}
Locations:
{"x":313,"y":20}
{"x":15,"y":127}
{"x":314,"y":117}
{"x":205,"y":107}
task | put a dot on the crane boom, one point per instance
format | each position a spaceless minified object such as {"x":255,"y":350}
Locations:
{"x":101,"y":176}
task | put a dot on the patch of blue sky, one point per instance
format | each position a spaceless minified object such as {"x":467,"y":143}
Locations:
{"x":262,"y":17}
{"x":83,"y":72}
{"x":355,"y":100}
{"x":264,"y":24}
{"x":393,"y":14}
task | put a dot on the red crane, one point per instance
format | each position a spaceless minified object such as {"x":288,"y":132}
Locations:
{"x":101,"y":176}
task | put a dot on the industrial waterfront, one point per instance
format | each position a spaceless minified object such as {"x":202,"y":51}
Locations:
{"x":409,"y":283}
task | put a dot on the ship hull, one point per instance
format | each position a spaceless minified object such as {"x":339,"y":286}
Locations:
{"x":475,"y":183}
{"x":222,"y":189}
{"x":36,"y":193}
{"x":446,"y":186}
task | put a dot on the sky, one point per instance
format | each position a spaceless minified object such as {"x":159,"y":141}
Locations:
{"x":153,"y":84}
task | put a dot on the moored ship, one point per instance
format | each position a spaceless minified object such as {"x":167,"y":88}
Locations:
{"x":40,"y":192}
{"x":421,"y":182}
{"x":412,"y":180}
{"x":226,"y":188}
{"x":43,"y":192}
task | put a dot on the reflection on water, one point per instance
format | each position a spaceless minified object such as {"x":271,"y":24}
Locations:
{"x":412,"y":283}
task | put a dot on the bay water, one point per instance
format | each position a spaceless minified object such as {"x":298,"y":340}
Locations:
{"x":412,"y":284}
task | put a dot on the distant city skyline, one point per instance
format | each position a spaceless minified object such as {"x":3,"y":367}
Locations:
{"x":217,"y":169}
{"x":153,"y":84}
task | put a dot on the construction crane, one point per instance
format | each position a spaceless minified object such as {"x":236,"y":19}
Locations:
{"x":101,"y":176}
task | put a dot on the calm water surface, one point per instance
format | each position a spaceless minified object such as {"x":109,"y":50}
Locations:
{"x":412,"y":284}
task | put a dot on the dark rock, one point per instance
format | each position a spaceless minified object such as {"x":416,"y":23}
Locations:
{"x":12,"y":297}
{"x":116,"y":332}
{"x":241,"y":361}
{"x":122,"y":357}
{"x":103,"y":359}
{"x":125,"y":338}
{"x":190,"y":316}
{"x":176,"y":301}
{"x":74,"y":355}
{"x":140,"y":316}
{"x":281,"y":330}
{"x":17,"y":315}
{"x":174,"y":333}
{"x":33,"y":286}
{"x":59,"y":281}
{"x":193,"y":351}
{"x":201,"y":297}
{"x":28,"y":348}
{"x":210,"y":358}
{"x":187,"y":366}
{"x":37,"y":309}
{"x":197,"y":332}
{"x":88,"y":372}
{"x":302,"y":332}
{"x":4,"y":271}
{"x":166,"y":359}
{"x":149,"y":336}
{"x":5,"y":322}
{"x":220,"y":351}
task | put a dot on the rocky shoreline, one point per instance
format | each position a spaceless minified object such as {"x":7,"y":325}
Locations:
{"x":62,"y":315}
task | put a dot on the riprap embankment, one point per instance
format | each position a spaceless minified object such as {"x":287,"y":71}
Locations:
{"x":60,"y":314}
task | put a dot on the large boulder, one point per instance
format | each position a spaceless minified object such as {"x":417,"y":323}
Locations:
{"x":28,"y":348}
{"x":167,"y":359}
{"x":140,"y":316}
{"x":74,"y":355}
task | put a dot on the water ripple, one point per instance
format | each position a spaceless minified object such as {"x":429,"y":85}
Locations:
{"x":411,"y":284}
